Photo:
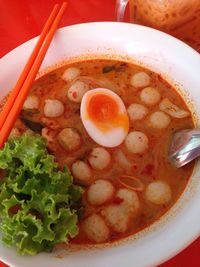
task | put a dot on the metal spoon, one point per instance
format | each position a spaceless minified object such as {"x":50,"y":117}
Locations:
{"x":185,"y":147}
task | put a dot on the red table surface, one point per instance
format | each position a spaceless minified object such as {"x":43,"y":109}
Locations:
{"x":21,"y":20}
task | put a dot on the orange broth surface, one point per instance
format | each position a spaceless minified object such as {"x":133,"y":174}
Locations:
{"x":147,"y":167}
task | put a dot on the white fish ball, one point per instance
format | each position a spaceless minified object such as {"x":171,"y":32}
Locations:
{"x":95,"y":228}
{"x":117,"y":217}
{"x":77,"y":91}
{"x":158,"y":192}
{"x":150,"y":96}
{"x":130,"y":199}
{"x":53,"y":108}
{"x":69,"y":139}
{"x":81,"y":171}
{"x":137,"y":112}
{"x":31,"y":102}
{"x":70,"y":74}
{"x":100,"y":192}
{"x":136,"y":142}
{"x":140,"y":80}
{"x":99,"y":158}
{"x":159,"y":120}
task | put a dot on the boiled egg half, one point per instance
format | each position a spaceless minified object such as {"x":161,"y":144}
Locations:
{"x":104,"y":117}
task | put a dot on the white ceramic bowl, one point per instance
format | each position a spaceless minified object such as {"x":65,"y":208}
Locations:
{"x":163,"y":54}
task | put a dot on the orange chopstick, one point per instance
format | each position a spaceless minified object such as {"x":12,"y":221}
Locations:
{"x":16,"y":107}
{"x":16,"y":89}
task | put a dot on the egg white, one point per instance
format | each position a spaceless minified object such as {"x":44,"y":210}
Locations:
{"x":109,"y":138}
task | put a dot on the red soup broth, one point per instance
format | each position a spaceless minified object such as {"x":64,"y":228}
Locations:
{"x":137,"y":188}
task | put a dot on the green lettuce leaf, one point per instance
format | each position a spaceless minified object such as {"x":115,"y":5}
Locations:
{"x":37,"y":200}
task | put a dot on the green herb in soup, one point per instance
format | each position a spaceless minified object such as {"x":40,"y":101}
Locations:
{"x":36,"y":198}
{"x":129,"y":182}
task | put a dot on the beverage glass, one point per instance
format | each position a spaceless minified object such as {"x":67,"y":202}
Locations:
{"x":180,"y":18}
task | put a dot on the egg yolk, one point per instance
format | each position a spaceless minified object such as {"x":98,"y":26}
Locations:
{"x":103,"y":110}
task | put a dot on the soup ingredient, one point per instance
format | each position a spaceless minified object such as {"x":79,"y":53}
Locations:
{"x":99,"y":158}
{"x":168,"y":107}
{"x":136,"y":142}
{"x":81,"y":172}
{"x":32,"y":125}
{"x":100,"y":192}
{"x":159,"y":120}
{"x":109,"y":84}
{"x":35,"y":197}
{"x":96,"y":229}
{"x":49,"y":135}
{"x":118,"y":216}
{"x":28,"y":131}
{"x":101,"y":82}
{"x":70,"y":74}
{"x":130,"y":199}
{"x":137,"y":112}
{"x":77,"y":91}
{"x":116,"y":67}
{"x":131,"y":182}
{"x":31,"y":102}
{"x":140,"y":80}
{"x":150,"y":96}
{"x":120,"y":158}
{"x":53,"y":108}
{"x":51,"y":123}
{"x":158,"y":192}
{"x":69,"y":139}
{"x":104,"y":117}
{"x":14,"y":133}
{"x":107,"y":69}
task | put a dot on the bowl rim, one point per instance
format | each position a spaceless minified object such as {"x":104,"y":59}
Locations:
{"x":195,"y":234}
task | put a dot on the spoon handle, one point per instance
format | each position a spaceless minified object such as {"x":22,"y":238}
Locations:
{"x":185,"y":147}
{"x":120,"y":9}
{"x":181,"y":160}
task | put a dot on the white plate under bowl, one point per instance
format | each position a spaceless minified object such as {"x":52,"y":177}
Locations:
{"x":179,"y":64}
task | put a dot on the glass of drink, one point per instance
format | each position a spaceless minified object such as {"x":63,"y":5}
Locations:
{"x":180,"y":18}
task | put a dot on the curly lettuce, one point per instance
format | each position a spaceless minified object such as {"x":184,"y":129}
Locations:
{"x":37,"y":200}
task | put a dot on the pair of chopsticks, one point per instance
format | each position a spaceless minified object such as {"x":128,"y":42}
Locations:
{"x":14,"y":104}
